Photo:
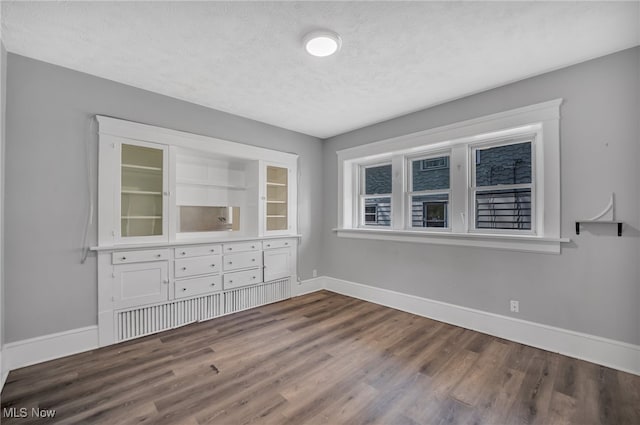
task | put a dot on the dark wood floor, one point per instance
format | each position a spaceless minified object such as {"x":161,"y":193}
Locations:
{"x":323,"y":359}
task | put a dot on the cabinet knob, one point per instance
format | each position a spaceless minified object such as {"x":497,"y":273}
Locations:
{"x":230,"y":262}
{"x":253,"y":259}
{"x":165,"y":281}
{"x":184,"y":289}
{"x":123,"y":258}
{"x":253,"y":277}
{"x":212,"y":250}
{"x":213,"y":284}
{"x":253,"y":246}
{"x":159,"y":255}
{"x":286,"y":243}
{"x":183,"y":253}
{"x":213,"y":265}
{"x":268,"y":245}
{"x":230,"y":281}
{"x":184,"y":268}
{"x":230,"y":249}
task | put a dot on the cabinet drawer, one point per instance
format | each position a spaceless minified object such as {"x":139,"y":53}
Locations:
{"x":242,"y":261}
{"x":197,"y":286}
{"x":197,"y":251}
{"x":230,"y":248}
{"x":198,"y":265}
{"x":126,"y":257}
{"x":278,"y":243}
{"x":244,"y":278}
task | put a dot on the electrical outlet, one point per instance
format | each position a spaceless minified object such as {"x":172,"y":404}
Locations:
{"x":515,"y":306}
{"x":315,"y":273}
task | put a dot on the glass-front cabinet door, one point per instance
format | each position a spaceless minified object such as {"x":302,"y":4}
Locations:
{"x":277,"y":199}
{"x":143,"y":191}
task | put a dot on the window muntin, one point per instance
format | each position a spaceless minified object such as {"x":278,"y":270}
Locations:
{"x":375,"y":195}
{"x":429,"y":192}
{"x":502,"y":190}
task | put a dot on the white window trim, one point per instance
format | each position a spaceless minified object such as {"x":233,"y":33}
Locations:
{"x":360,"y":184}
{"x":410,"y":193}
{"x":543,"y":119}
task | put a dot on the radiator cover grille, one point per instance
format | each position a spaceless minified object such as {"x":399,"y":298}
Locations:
{"x":141,"y":321}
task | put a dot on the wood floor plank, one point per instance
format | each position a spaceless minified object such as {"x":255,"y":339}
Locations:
{"x":322,"y":359}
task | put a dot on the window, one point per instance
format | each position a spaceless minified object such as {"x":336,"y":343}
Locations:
{"x":502,"y":186}
{"x":430,"y":164}
{"x":371,"y":214}
{"x":428,"y":193}
{"x":375,"y":197}
{"x":492,"y":182}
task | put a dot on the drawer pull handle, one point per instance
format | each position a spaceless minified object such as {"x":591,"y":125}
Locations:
{"x":253,"y":246}
{"x":213,"y":284}
{"x":230,"y":249}
{"x":230,"y":281}
{"x":268,"y":245}
{"x":184,"y":289}
{"x":213,"y":265}
{"x":230,"y":262}
{"x":159,"y":255}
{"x":286,"y":243}
{"x":212,"y":250}
{"x":184,"y":268}
{"x":123,"y":258}
{"x":253,"y":277}
{"x":183,"y":253}
{"x":253,"y":259}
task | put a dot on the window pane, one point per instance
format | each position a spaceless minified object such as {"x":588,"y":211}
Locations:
{"x":509,"y":164}
{"x":503,"y":209}
{"x":377,"y":211}
{"x":377,"y":179}
{"x":430,"y":211}
{"x":430,"y":174}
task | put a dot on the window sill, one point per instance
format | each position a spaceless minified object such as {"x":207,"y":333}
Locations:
{"x":525,"y":243}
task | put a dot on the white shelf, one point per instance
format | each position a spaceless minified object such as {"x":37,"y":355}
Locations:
{"x":141,"y":167}
{"x":276,"y":202}
{"x":141,"y":217}
{"x":276,"y":216}
{"x":194,"y":182}
{"x":276,"y":184}
{"x":139,"y":192}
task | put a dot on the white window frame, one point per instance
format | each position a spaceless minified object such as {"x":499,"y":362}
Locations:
{"x":409,"y":193}
{"x":542,"y":121}
{"x":363,"y":196}
{"x":473,"y":188}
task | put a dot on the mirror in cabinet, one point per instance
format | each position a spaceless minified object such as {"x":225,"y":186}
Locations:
{"x":141,"y":193}
{"x":214,"y":195}
{"x":277,"y":198}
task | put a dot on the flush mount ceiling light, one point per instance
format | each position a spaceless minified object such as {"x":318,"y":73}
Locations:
{"x":322,"y":43}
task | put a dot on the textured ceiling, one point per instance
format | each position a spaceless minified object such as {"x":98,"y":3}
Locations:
{"x":246,"y":57}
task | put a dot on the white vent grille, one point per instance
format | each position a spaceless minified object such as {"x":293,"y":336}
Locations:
{"x":147,"y":320}
{"x":253,"y":296}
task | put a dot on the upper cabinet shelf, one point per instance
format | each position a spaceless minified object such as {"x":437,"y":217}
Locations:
{"x":159,"y":185}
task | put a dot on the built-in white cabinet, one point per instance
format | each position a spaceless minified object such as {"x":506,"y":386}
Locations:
{"x":140,"y":283}
{"x":135,"y":177}
{"x":189,"y":228}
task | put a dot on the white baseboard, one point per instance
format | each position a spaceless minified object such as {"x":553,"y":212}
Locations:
{"x":3,"y":372}
{"x":48,"y":347}
{"x":607,"y":352}
{"x":308,"y":286}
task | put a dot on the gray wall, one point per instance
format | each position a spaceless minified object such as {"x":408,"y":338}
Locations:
{"x":593,"y":286}
{"x":46,"y":192}
{"x":3,"y":105}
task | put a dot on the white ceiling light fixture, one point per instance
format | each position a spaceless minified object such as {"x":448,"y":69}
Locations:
{"x":322,"y":43}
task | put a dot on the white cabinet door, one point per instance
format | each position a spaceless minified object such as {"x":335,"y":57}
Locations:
{"x":277,"y":264}
{"x":140,"y":283}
